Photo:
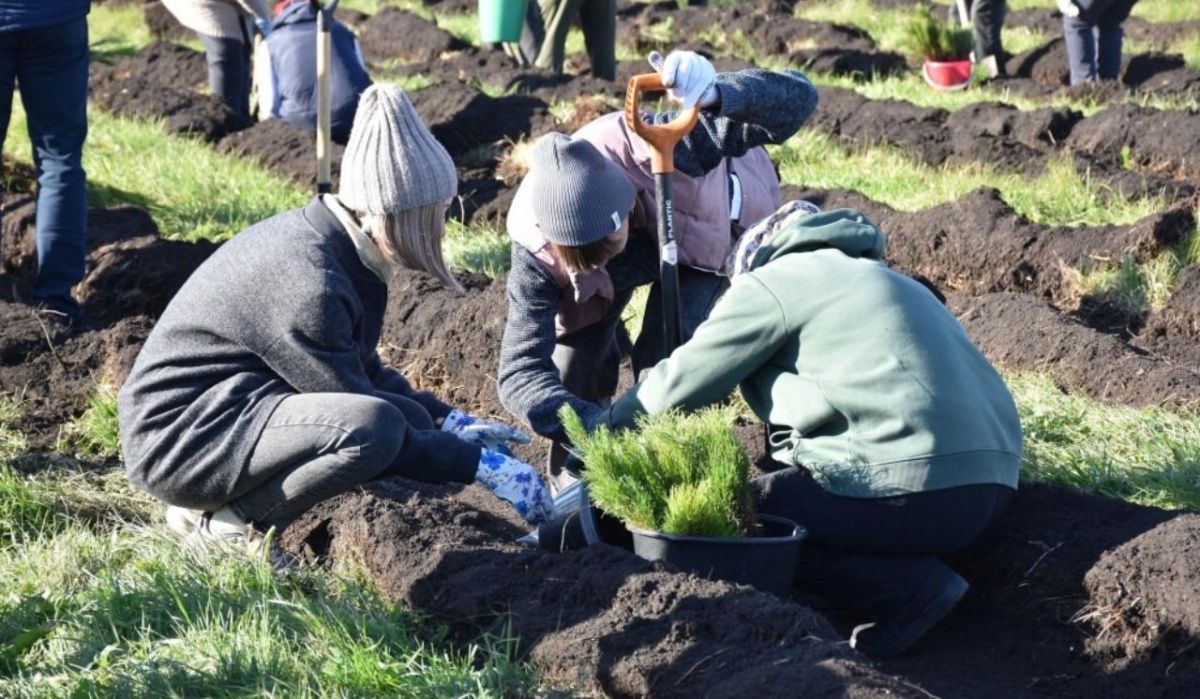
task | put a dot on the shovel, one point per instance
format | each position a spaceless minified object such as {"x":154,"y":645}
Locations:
{"x":662,"y":139}
{"x":575,"y":524}
{"x":324,"y":96}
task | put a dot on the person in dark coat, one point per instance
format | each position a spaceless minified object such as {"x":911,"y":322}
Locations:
{"x":44,"y":51}
{"x":286,"y":70}
{"x":260,"y":392}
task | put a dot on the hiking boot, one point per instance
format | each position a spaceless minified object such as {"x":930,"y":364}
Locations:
{"x":893,"y":635}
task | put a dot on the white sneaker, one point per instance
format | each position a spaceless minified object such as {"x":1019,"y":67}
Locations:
{"x":222,"y":525}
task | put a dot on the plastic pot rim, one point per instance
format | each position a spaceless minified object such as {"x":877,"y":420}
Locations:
{"x":799,"y":533}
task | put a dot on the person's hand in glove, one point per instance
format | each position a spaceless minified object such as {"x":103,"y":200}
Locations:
{"x":690,"y":77}
{"x":489,"y":435}
{"x":518,"y":483}
{"x":263,"y":26}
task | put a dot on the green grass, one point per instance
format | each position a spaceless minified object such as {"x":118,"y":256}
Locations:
{"x":1148,"y":455}
{"x":477,"y":249}
{"x":1163,"y":10}
{"x":1059,"y":197}
{"x":94,"y":434}
{"x":116,"y":30}
{"x":1139,"y":288}
{"x":676,"y":473}
{"x":117,"y":607}
{"x":12,"y":442}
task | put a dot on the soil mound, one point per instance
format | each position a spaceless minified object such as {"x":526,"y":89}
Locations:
{"x":1143,"y":598}
{"x":284,"y":148}
{"x":446,"y":342}
{"x":398,"y":35}
{"x":853,"y":62}
{"x":123,"y":89}
{"x":1022,"y":332}
{"x":1163,"y":142}
{"x":163,"y":25}
{"x":463,"y":118}
{"x":978,"y":245}
{"x":55,"y":383}
{"x":166,"y":64}
{"x":1174,"y":331}
{"x":998,"y":135}
{"x":137,"y":277}
{"x":1014,"y":631}
{"x":1152,"y":73}
{"x":598,"y":620}
{"x":25,"y":333}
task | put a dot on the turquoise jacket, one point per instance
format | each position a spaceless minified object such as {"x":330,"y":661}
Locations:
{"x":865,"y":378}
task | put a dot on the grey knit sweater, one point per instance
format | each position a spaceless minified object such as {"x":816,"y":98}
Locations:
{"x":284,"y":307}
{"x":757,"y":108}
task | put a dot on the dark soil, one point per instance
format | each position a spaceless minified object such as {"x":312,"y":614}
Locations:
{"x":481,"y":198}
{"x":1163,"y":142}
{"x":1174,"y":331}
{"x":978,"y":244}
{"x":1164,"y":75}
{"x":398,"y":35}
{"x":1143,"y":599}
{"x":162,"y":23}
{"x":55,"y":380}
{"x":166,"y":64}
{"x":289,"y":150}
{"x":1013,"y":635}
{"x":598,"y":620}
{"x":124,"y":89}
{"x":463,"y":118}
{"x":996,"y":134}
{"x":1017,"y":331}
{"x":853,"y":62}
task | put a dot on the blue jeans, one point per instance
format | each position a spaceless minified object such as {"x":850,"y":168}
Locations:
{"x":51,"y":66}
{"x":1094,"y":39}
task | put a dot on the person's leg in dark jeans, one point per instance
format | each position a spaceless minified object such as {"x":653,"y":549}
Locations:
{"x":1109,"y":37}
{"x":599,"y":21}
{"x":698,"y":293}
{"x":533,"y":33}
{"x":875,"y":557}
{"x":318,"y":445}
{"x":987,"y":17}
{"x":1080,"y":37}
{"x":229,"y":72}
{"x":52,"y":74}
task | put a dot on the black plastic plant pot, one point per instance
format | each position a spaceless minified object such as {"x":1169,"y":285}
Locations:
{"x":766,"y":560}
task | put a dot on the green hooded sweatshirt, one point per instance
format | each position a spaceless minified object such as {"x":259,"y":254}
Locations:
{"x":865,"y":378}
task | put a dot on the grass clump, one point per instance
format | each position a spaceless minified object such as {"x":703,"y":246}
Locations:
{"x":1149,"y":456}
{"x":933,"y":39}
{"x":95,"y":433}
{"x":682,"y":474}
{"x":476,"y":249}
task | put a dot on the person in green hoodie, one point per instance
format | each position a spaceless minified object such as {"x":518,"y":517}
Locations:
{"x":898,"y":442}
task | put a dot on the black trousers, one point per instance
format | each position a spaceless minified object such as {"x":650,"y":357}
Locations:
{"x":874,"y":555}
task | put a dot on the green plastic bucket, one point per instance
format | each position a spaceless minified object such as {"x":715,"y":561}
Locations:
{"x":501,"y":20}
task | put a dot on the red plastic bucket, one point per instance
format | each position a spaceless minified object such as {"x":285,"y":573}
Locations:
{"x":948,"y":75}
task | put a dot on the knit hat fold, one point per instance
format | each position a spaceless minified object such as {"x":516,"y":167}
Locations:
{"x":577,"y":195}
{"x":392,"y":162}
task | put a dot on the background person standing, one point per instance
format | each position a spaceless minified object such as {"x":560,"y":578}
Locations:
{"x":1092,"y":31}
{"x":987,"y":21}
{"x":44,"y":49}
{"x":226,"y":28}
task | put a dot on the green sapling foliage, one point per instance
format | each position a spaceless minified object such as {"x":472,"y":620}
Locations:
{"x":934,"y":39}
{"x":677,"y":473}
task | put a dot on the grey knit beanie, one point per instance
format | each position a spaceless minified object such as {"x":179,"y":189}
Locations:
{"x":577,"y":196}
{"x":392,"y":163}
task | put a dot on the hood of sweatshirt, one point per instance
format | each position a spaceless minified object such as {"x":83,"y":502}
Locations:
{"x":848,"y":230}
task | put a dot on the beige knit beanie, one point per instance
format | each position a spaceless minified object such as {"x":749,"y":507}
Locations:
{"x":392,"y":163}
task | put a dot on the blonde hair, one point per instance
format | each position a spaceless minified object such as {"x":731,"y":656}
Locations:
{"x":413,"y":239}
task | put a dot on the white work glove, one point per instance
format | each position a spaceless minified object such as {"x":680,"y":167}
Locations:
{"x":690,"y":77}
{"x":489,"y":435}
{"x":1068,"y":8}
{"x":518,"y":483}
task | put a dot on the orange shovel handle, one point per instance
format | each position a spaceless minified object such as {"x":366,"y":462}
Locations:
{"x":660,"y":137}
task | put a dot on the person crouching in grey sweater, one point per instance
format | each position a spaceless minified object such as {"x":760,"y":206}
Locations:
{"x":260,"y":392}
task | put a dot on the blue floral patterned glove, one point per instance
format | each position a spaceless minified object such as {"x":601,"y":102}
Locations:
{"x":489,"y":435}
{"x":518,"y":483}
